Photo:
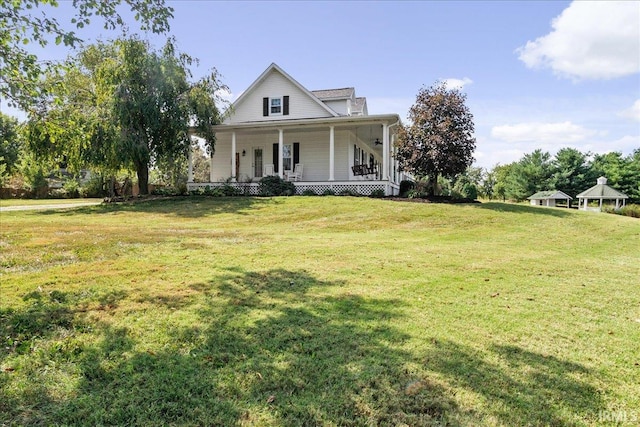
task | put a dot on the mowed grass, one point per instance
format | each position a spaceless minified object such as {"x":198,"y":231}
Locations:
{"x":37,"y":202}
{"x":318,"y":311}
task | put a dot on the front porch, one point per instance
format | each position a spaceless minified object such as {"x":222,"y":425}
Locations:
{"x":338,"y":155}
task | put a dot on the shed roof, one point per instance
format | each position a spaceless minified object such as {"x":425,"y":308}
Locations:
{"x":552,"y":194}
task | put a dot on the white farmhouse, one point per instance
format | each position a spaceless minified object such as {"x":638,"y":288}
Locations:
{"x":321,"y":140}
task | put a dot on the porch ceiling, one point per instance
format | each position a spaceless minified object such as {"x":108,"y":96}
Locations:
{"x":365,"y":133}
{"x":320,"y":123}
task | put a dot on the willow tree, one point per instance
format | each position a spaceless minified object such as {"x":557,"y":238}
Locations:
{"x":439,"y":140}
{"x":125,"y":106}
{"x":30,"y":22}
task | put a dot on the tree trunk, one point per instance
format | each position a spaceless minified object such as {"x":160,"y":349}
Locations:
{"x":112,"y":186}
{"x":143,"y":178}
{"x":432,"y":186}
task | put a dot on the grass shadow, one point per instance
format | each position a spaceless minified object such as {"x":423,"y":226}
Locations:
{"x":522,"y":209}
{"x":519,"y":386}
{"x":187,"y":206}
{"x":266,"y":348}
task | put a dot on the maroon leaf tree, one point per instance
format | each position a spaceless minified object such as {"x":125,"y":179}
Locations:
{"x":439,"y":140}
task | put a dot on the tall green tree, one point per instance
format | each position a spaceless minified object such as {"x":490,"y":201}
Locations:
{"x":24,"y":22}
{"x":439,"y":140}
{"x":10,"y":146}
{"x":123,"y":105}
{"x":622,"y":172}
{"x":529,"y":175}
{"x":571,"y":172}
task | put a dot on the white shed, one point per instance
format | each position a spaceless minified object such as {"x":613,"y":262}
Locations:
{"x":549,"y":198}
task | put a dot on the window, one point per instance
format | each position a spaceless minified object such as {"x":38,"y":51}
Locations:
{"x":275,"y":106}
{"x":286,"y":157}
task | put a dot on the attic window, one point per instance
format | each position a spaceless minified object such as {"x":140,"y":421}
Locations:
{"x":275,"y":106}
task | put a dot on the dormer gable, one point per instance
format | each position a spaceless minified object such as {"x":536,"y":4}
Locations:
{"x":275,"y":95}
{"x":343,"y":101}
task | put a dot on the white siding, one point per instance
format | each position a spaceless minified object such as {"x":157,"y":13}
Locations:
{"x":301,"y":106}
{"x":222,"y":157}
{"x":343,"y":162}
{"x":339,"y":106}
{"x":314,"y":153}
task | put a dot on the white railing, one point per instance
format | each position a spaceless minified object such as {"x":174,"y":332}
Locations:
{"x":362,"y":188}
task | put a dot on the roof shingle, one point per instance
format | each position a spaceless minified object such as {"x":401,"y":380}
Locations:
{"x":342,"y":93}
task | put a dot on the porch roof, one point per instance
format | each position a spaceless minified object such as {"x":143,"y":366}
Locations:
{"x":322,"y":121}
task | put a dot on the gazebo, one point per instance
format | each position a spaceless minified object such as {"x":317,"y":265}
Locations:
{"x":548,"y":198}
{"x":601,"y":192}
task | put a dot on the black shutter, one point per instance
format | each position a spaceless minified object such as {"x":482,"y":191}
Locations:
{"x":285,"y":106}
{"x":296,"y":154}
{"x":276,"y":157}
{"x":265,"y":106}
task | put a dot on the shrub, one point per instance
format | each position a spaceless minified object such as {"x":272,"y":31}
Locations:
{"x":328,"y":192}
{"x":405,"y":186}
{"x":416,"y":194}
{"x":230,"y":190}
{"x":309,"y":192}
{"x":378,"y":193}
{"x":276,"y":186}
{"x":347,"y":192}
{"x":71,"y":189}
{"x":629,"y":210}
{"x":94,"y":187}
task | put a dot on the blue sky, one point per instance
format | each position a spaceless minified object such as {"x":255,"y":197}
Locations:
{"x":537,"y":74}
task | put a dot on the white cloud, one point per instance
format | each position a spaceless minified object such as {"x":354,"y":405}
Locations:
{"x":225,"y":94}
{"x":626,"y":144}
{"x":560,"y":132}
{"x":632,"y":112}
{"x":590,"y":40}
{"x":457,"y":83}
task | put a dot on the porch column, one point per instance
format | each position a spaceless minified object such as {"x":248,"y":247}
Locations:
{"x":332,"y":150}
{"x":600,"y":204}
{"x":211,"y":171}
{"x":190,"y":167}
{"x":385,"y":152}
{"x":233,"y":156}
{"x":280,"y":153}
{"x":392,"y":163}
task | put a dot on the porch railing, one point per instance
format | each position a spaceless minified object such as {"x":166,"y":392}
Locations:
{"x":363,"y":188}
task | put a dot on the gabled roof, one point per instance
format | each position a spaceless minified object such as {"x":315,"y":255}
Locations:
{"x":552,"y":194}
{"x":602,"y":191}
{"x":264,"y":75}
{"x":334,"y":94}
{"x":358,"y":106}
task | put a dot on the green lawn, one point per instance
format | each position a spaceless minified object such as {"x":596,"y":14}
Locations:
{"x":318,"y":311}
{"x":35,"y":202}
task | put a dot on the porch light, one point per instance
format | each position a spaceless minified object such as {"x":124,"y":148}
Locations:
{"x":244,"y":153}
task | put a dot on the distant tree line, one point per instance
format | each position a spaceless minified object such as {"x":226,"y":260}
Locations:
{"x":570,"y":171}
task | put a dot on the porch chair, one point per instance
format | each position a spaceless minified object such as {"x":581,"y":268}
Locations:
{"x":296,"y":175}
{"x":268,"y":170}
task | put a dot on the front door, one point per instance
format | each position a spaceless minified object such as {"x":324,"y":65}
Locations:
{"x":257,"y":162}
